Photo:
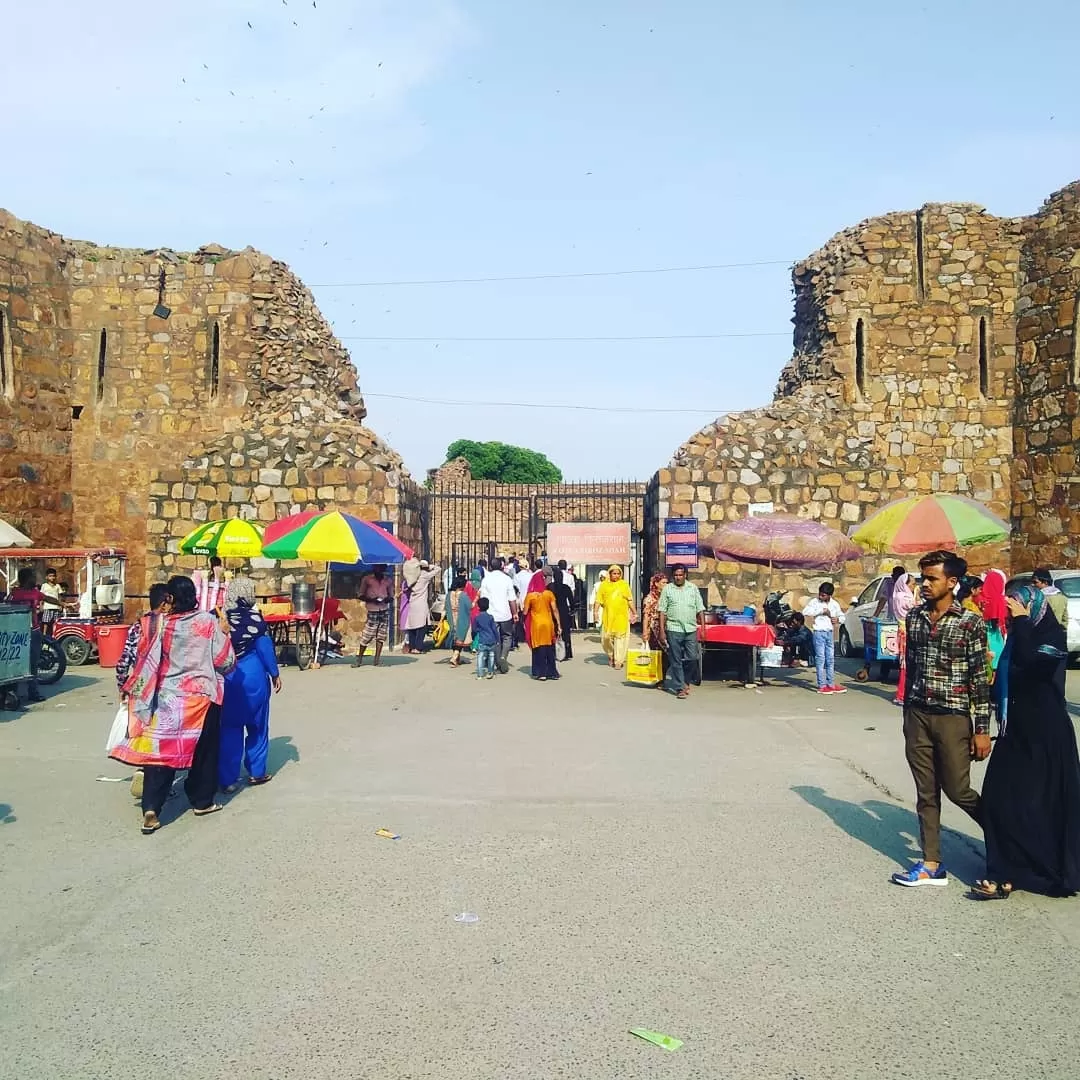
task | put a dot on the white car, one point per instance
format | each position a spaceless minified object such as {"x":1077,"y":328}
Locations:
{"x":862,"y":607}
{"x":1068,"y":581}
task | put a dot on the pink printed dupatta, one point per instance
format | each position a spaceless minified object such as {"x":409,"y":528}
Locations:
{"x":176,"y":676}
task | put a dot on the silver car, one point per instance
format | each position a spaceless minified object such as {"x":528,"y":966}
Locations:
{"x":1068,"y":581}
{"x":862,"y":607}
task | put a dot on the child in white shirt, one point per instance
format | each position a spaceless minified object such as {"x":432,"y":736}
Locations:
{"x":823,"y":615}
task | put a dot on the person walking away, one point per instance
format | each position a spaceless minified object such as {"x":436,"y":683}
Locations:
{"x":1031,"y":794}
{"x":459,"y":615}
{"x":594,"y":595}
{"x":210,"y":585}
{"x":542,"y":612}
{"x":376,"y":590}
{"x":486,"y":632}
{"x":159,"y":602}
{"x":615,"y":612}
{"x":1043,"y":580}
{"x":27,"y":593}
{"x":681,"y":611}
{"x":522,"y":579}
{"x":501,"y":596}
{"x":995,"y":613}
{"x":51,"y":607}
{"x":824,"y":615}
{"x":564,"y":601}
{"x":174,"y":694}
{"x":570,"y":581}
{"x":946,"y":708}
{"x":245,"y":707}
{"x":418,"y":613}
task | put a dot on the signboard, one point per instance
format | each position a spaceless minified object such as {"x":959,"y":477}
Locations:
{"x":589,"y":544}
{"x":14,"y":644}
{"x":759,"y":509}
{"x":681,"y":542}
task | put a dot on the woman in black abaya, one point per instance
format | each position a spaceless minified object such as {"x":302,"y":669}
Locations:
{"x":1031,"y":795}
{"x":564,"y":598}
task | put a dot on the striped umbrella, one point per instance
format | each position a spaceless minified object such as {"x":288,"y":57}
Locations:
{"x":927,"y":523}
{"x":232,"y":538}
{"x":332,"y":536}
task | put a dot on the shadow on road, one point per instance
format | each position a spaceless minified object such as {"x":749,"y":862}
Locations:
{"x":7,"y":814}
{"x":282,"y":752}
{"x":891,"y":830}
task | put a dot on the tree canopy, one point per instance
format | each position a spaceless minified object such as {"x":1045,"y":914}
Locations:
{"x":504,"y":463}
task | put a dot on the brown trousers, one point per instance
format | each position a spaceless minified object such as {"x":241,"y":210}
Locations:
{"x":938,"y":748}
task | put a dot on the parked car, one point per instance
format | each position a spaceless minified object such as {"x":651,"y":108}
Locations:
{"x":1068,"y":581}
{"x":862,"y":607}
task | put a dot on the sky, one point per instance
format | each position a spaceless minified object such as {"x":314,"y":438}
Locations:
{"x":366,"y":142}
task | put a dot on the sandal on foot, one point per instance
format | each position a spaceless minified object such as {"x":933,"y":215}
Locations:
{"x":208,"y":810}
{"x":990,"y":890}
{"x":255,"y":781}
{"x":150,"y":823}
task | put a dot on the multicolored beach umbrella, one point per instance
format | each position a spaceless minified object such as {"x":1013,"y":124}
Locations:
{"x":228,"y":539}
{"x":927,"y":523}
{"x":331,"y":536}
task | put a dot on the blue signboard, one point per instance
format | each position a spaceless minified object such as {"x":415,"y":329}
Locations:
{"x":681,"y":542}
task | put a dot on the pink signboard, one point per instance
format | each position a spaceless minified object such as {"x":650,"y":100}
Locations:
{"x":591,"y":544}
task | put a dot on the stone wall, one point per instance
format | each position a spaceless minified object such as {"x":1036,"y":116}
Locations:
{"x":125,"y":425}
{"x":902,"y":382}
{"x":35,"y":368}
{"x":1046,"y":488}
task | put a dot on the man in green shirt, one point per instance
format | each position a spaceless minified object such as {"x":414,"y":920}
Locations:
{"x":680,"y":609}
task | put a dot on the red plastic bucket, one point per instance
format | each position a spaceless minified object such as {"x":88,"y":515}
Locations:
{"x":110,"y":644}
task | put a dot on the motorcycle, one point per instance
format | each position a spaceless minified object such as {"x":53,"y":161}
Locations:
{"x":778,"y":614}
{"x":52,"y":664}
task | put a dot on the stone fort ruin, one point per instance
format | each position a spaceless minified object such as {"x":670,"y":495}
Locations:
{"x":144,"y":391}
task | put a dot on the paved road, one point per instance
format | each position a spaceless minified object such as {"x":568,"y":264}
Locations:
{"x":714,"y":869}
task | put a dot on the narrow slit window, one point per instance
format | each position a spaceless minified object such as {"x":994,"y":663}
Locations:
{"x":103,"y":352}
{"x":6,"y":384}
{"x":213,"y":374}
{"x":1076,"y":341}
{"x":984,"y":359}
{"x":860,"y":357}
{"x":920,"y":255}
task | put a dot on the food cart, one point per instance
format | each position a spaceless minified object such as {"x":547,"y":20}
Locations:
{"x":95,"y":598}
{"x":881,"y":645}
{"x":14,"y":652}
{"x":293,"y":635}
{"x":749,"y":637}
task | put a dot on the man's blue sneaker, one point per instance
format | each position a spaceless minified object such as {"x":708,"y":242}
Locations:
{"x":919,"y":875}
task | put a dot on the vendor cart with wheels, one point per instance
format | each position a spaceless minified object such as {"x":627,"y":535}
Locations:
{"x":881,"y":645}
{"x":14,"y":652}
{"x":293,"y":637}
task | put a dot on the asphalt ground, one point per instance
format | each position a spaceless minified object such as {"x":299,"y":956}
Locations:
{"x":714,"y":869}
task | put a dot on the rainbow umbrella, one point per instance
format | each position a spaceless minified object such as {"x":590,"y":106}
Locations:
{"x":332,"y":536}
{"x":232,"y":538}
{"x":927,"y":523}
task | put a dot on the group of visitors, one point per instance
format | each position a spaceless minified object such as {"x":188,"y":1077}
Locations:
{"x":196,"y":684}
{"x":1029,"y":809}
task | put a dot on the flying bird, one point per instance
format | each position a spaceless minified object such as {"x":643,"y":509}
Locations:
{"x":250,"y":27}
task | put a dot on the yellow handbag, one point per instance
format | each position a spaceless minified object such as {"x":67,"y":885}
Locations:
{"x":440,"y":633}
{"x":643,"y":667}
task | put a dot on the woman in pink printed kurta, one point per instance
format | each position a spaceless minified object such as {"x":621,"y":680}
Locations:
{"x":174,"y":695}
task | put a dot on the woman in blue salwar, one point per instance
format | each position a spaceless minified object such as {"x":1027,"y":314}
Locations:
{"x":245,"y":712}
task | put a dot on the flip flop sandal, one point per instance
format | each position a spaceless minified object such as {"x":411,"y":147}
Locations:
{"x":988,"y":890}
{"x":209,"y":810}
{"x":255,"y":781}
{"x":150,"y":824}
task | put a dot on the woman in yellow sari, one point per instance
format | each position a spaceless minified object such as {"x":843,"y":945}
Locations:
{"x":614,"y":610}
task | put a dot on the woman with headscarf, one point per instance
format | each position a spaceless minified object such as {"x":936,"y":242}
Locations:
{"x":650,"y":621}
{"x":417,"y":604}
{"x":459,"y":613}
{"x":615,"y":612}
{"x":245,"y":710}
{"x":542,"y":620}
{"x":410,"y":573}
{"x":901,"y":602}
{"x":174,"y":695}
{"x":1031,"y":794}
{"x":995,"y":612}
{"x":564,"y":599}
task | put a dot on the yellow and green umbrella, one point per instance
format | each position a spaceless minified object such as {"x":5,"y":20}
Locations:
{"x":928,"y":523}
{"x":232,"y":538}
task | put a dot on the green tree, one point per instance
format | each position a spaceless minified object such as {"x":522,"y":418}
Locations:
{"x":504,"y":463}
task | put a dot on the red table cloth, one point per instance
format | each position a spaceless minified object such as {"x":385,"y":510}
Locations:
{"x":761,"y":635}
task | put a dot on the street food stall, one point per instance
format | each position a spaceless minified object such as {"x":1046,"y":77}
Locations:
{"x":881,"y":645}
{"x":93,"y":598}
{"x":724,"y":633}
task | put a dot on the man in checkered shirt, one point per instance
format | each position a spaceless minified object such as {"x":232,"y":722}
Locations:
{"x":946,"y":707}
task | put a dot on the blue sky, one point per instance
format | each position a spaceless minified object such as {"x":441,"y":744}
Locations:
{"x":375,"y":141}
